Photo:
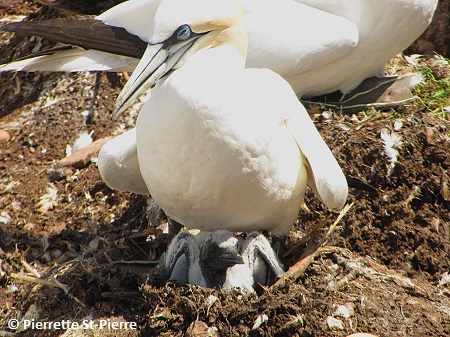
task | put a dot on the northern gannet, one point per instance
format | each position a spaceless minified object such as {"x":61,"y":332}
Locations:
{"x":318,"y":46}
{"x":221,"y":146}
{"x":220,"y":260}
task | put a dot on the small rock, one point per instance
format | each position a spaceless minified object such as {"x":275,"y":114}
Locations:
{"x":261,"y":319}
{"x":60,"y":173}
{"x":82,"y":158}
{"x":199,"y":328}
{"x":429,"y":134}
{"x":83,"y":140}
{"x":361,"y":334}
{"x":16,"y":206}
{"x":29,"y":226}
{"x":445,"y":190}
{"x":94,"y":243}
{"x":11,"y":289}
{"x":5,"y":218}
{"x":4,"y":136}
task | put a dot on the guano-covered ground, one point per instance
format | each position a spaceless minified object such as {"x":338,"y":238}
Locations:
{"x":64,"y":234}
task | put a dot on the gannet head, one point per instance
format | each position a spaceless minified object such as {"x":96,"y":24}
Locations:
{"x":219,"y":251}
{"x":179,"y":29}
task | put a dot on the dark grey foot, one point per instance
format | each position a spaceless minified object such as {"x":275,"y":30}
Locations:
{"x":382,"y":93}
{"x":278,"y":245}
{"x":174,"y":228}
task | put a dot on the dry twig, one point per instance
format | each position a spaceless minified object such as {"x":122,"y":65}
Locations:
{"x":313,"y":250}
{"x":54,"y":284}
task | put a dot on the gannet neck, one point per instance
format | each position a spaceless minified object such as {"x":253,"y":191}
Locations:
{"x":256,"y":246}
{"x":235,"y":37}
{"x":219,"y":58}
{"x":183,"y":243}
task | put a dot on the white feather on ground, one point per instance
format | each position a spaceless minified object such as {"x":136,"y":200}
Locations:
{"x":48,"y":200}
{"x":392,"y":143}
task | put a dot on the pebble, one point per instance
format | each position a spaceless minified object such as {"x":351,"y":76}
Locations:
{"x":4,"y":136}
{"x":60,"y":173}
{"x":429,"y":134}
{"x":199,"y":328}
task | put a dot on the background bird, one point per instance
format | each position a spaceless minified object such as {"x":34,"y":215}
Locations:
{"x":318,"y":46}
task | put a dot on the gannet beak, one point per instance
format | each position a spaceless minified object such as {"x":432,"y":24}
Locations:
{"x":157,"y":61}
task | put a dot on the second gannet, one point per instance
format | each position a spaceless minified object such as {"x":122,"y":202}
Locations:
{"x":221,"y":146}
{"x":319,"y":46}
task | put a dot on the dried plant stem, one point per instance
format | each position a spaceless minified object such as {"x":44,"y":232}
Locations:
{"x":54,"y":284}
{"x":312,"y":250}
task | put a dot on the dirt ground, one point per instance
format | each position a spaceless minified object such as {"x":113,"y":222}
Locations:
{"x":64,"y":235}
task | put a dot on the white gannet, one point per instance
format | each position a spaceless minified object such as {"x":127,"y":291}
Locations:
{"x":318,"y":46}
{"x":385,"y":28}
{"x":221,"y":146}
{"x":220,"y":260}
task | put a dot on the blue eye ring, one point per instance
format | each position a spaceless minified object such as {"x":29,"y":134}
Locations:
{"x":183,"y":33}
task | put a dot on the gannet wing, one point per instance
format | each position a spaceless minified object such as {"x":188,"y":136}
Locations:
{"x":119,"y":165}
{"x":72,"y":60}
{"x":292,"y":38}
{"x":325,"y":176}
{"x":141,"y":13}
{"x":109,"y":42}
{"x":183,"y":251}
{"x":85,"y":32}
{"x":258,"y":255}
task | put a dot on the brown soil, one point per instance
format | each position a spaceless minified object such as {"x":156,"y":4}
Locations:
{"x":389,"y":268}
{"x":437,"y":38}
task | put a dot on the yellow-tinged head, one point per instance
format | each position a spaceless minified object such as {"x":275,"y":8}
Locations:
{"x":201,"y":15}
{"x":179,"y":29}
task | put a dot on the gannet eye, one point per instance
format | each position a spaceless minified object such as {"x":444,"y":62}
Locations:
{"x":183,"y":33}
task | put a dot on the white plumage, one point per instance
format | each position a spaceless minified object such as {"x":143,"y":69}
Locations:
{"x":319,"y":46}
{"x":220,"y":146}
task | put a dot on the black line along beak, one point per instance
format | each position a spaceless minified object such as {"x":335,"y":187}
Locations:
{"x":157,"y":61}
